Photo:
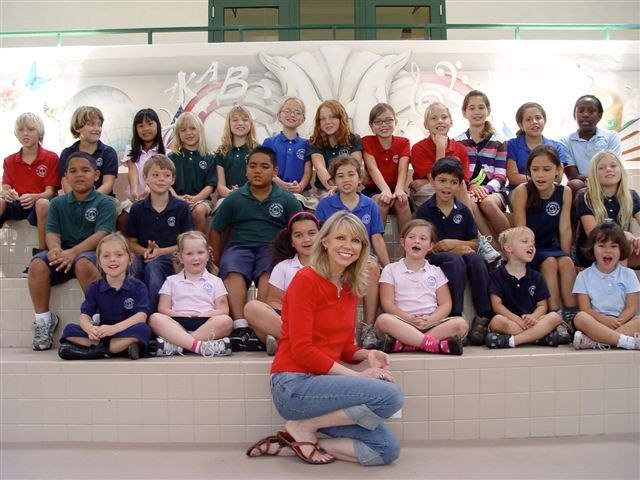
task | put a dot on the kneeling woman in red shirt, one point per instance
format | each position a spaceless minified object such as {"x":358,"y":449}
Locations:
{"x":311,"y":387}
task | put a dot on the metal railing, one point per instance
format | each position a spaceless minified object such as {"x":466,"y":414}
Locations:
{"x":428,"y":28}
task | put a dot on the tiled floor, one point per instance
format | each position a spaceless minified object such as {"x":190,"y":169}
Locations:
{"x":611,"y":457}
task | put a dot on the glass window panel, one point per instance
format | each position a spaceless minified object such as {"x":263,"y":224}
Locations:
{"x":266,"y":16}
{"x":327,"y":12}
{"x":402,"y":14}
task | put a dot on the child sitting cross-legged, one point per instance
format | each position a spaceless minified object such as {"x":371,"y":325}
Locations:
{"x":519,"y":296}
{"x":193,"y":312}
{"x":607,"y":294}
{"x":416,"y":299}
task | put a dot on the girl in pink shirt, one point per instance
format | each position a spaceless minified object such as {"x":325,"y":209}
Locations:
{"x":416,"y":299}
{"x":291,"y":251}
{"x":193,"y":312}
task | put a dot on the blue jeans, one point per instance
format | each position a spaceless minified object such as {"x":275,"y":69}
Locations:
{"x":367,"y":401}
{"x":153,"y":275}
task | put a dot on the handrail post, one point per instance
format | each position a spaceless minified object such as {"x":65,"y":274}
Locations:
{"x":58,"y":40}
{"x":150,"y":37}
{"x":607,"y":33}
{"x":517,"y":33}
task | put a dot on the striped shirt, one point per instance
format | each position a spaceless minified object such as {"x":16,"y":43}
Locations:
{"x":491,"y":154}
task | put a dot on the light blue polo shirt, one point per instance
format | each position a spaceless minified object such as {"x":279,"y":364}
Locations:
{"x":581,"y":151}
{"x":366,"y":210}
{"x":607,"y":291}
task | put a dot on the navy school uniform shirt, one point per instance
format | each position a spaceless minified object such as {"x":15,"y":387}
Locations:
{"x":114,"y":305}
{"x":458,"y":225}
{"x":519,"y":295}
{"x":106,"y":161}
{"x":145,"y":223}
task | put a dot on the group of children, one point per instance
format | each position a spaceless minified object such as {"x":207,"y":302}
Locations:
{"x":458,"y":194}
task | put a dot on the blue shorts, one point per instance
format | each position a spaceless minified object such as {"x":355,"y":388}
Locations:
{"x":191,"y":324}
{"x":249,"y":260}
{"x":140,"y":331}
{"x":58,"y":277}
{"x":15,"y":211}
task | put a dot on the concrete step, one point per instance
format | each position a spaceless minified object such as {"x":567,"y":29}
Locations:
{"x":513,"y":393}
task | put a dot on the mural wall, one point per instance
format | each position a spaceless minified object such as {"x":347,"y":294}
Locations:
{"x":209,"y":78}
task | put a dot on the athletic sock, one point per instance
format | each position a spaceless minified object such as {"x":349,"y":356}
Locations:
{"x":44,"y":316}
{"x":430,"y":344}
{"x":444,"y":346}
{"x":196,"y":346}
{"x":512,"y":341}
{"x":240,"y":323}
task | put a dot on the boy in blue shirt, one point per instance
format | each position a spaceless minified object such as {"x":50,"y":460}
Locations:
{"x":519,"y":296}
{"x":154,"y":225}
{"x":455,"y":252}
{"x":76,"y":223}
{"x":251,"y":217}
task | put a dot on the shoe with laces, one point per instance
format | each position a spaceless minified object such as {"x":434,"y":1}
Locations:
{"x":370,"y":339}
{"x":166,"y":348}
{"x":240,"y":339}
{"x":478,"y":331}
{"x":582,"y":342}
{"x":43,"y":332}
{"x":216,"y":348}
{"x":272,"y":345}
{"x":636,"y":339}
{"x":485,"y":249}
{"x":497,"y":340}
{"x":551,"y":339}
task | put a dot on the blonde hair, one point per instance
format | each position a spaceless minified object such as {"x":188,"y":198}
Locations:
{"x":594,"y":196}
{"x":189,"y":119}
{"x":509,"y":234}
{"x":356,"y":274}
{"x":112,"y":237}
{"x":82,"y":116}
{"x":292,"y":98}
{"x":226,"y":141}
{"x":29,"y":120}
{"x":190,"y":235}
{"x":427,"y":112}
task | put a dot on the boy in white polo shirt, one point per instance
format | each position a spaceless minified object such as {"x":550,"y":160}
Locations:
{"x":416,"y":299}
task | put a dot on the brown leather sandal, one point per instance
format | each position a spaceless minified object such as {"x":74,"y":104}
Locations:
{"x":285,"y":438}
{"x":266,"y":441}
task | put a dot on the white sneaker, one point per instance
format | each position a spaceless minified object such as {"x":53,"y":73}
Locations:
{"x":216,"y":348}
{"x":43,"y":332}
{"x":485,"y":249}
{"x":166,"y":348}
{"x":582,"y":342}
